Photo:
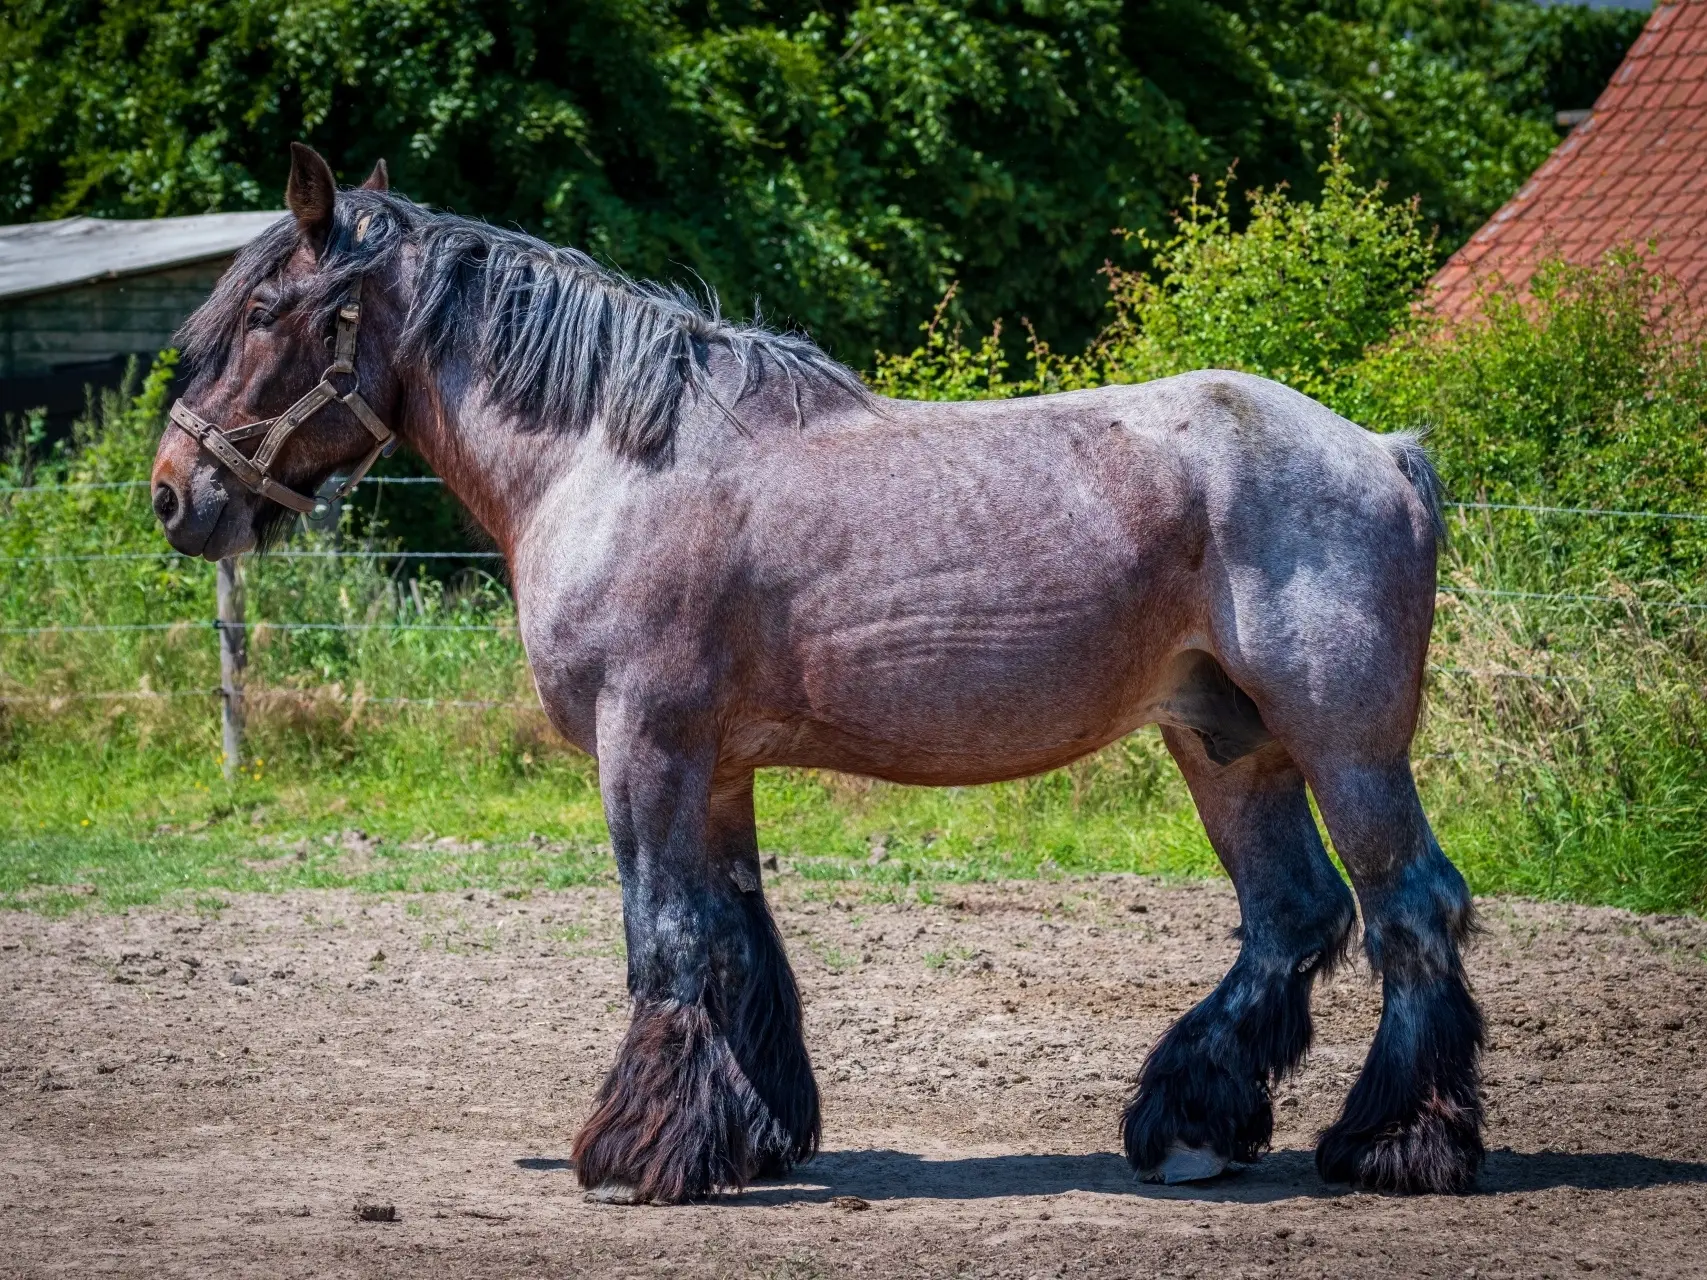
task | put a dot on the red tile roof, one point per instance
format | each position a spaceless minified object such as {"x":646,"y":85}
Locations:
{"x":1635,"y":170}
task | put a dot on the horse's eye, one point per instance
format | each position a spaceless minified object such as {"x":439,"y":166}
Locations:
{"x":261,"y":318}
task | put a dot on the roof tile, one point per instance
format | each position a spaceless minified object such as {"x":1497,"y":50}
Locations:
{"x":1636,"y":171}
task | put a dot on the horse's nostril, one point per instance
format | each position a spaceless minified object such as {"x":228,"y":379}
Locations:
{"x":165,"y":502}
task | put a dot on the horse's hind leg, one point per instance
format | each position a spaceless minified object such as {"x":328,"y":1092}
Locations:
{"x":1203,"y":1095}
{"x":712,"y":1086}
{"x":1413,"y":1119}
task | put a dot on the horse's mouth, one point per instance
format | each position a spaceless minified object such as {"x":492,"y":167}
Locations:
{"x":210,"y":546}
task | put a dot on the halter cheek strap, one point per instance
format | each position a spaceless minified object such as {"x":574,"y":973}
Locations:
{"x":255,"y":472}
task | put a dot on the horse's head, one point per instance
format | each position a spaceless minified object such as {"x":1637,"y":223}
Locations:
{"x":291,"y":387}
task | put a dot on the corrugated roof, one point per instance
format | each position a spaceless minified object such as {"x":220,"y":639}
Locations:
{"x":38,"y":257}
{"x":1635,"y":170}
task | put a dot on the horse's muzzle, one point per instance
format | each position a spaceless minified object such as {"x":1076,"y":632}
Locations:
{"x":190,"y":513}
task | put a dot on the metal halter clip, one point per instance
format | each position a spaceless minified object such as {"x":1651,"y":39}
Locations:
{"x":255,"y":471}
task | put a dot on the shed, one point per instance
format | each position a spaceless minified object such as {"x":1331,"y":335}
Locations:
{"x":79,"y":297}
{"x":1633,"y":169}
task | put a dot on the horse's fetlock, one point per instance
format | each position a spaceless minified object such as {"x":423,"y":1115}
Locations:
{"x":1435,"y":1150}
{"x":1413,"y":1120}
{"x":712,"y":1086}
{"x":676,"y":1119}
{"x":1197,"y":1092}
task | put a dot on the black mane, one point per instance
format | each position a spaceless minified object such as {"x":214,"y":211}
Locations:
{"x":563,"y":341}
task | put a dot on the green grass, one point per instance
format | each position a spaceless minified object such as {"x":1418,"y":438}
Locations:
{"x":450,"y":801}
{"x":100,"y":823}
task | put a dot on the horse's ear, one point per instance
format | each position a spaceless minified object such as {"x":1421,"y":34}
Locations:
{"x":379,"y":179}
{"x":310,"y":193}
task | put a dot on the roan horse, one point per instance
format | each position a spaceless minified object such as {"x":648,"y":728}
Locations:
{"x":727,"y":554}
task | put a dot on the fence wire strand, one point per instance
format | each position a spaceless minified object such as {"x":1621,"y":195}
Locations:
{"x":1546,"y":597}
{"x":288,"y":554}
{"x":1533,"y":508}
{"x":259,"y":693}
{"x":190,"y":624}
{"x":80,"y":486}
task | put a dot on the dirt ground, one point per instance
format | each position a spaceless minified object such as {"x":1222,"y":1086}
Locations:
{"x":213,"y":1095}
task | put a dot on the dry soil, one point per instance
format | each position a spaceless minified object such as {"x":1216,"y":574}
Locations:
{"x":213,"y":1095}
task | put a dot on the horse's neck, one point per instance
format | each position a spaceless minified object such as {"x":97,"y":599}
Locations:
{"x":499,"y":473}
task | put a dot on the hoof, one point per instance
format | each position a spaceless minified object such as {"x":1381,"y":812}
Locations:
{"x":1438,"y":1152}
{"x":614,"y":1193}
{"x":1186,"y":1164}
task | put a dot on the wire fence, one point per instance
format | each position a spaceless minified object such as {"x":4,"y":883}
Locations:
{"x":282,"y":554}
{"x":231,"y":626}
{"x":1530,"y":507}
{"x":251,"y":625}
{"x":304,"y":695}
{"x":71,"y":628}
{"x":310,"y":695}
{"x":78,"y":486}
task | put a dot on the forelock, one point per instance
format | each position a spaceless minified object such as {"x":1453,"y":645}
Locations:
{"x":206,"y":337}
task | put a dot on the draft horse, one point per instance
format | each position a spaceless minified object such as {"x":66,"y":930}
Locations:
{"x":728,"y":554}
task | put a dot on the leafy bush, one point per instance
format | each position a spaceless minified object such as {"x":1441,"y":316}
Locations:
{"x":1298,"y":294}
{"x":1580,"y":393}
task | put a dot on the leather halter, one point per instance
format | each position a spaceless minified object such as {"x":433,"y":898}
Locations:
{"x":256,"y":472}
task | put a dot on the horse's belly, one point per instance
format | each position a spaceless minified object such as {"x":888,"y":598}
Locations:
{"x":976,"y":695}
{"x":974,"y":614}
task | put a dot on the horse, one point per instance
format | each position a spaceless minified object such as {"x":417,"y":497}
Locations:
{"x":728,"y":554}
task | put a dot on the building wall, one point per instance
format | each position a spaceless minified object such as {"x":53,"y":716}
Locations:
{"x":56,"y":349}
{"x":96,"y":323}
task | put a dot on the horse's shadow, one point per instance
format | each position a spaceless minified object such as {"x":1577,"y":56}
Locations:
{"x":1282,"y":1175}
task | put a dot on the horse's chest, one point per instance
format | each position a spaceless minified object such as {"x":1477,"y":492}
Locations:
{"x":568,"y":676}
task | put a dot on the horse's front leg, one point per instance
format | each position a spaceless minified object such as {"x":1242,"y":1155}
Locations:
{"x":712,"y":1085}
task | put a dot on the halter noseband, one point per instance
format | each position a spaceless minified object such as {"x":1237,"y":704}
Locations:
{"x":256,"y":472}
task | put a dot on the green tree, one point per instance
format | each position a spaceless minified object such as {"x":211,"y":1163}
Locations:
{"x":839,"y":163}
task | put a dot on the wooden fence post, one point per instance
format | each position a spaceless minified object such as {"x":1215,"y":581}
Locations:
{"x":233,"y":656}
